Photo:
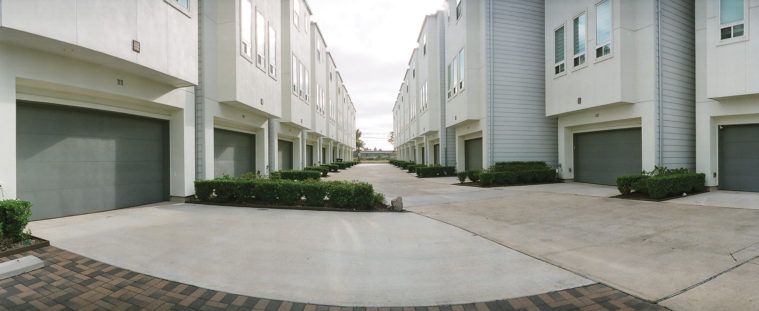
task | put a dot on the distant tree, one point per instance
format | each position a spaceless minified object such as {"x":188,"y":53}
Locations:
{"x":359,"y":143}
{"x":375,"y":148}
{"x":391,"y":139}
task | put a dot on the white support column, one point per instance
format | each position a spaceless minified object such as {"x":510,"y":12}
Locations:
{"x":8,"y":185}
{"x":262,"y":149}
{"x":318,"y":156}
{"x":426,"y":154}
{"x":330,"y":156}
{"x":182,"y":146}
{"x":273,"y":145}
{"x":304,"y":149}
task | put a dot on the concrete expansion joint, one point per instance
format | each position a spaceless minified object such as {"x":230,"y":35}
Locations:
{"x":707,"y":280}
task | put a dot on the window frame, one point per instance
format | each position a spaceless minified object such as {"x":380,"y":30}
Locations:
{"x":560,"y":67}
{"x":459,"y":9}
{"x":584,"y":54}
{"x":184,"y":10}
{"x":462,"y":69}
{"x":294,"y":73}
{"x":455,"y":65}
{"x":272,"y":64}
{"x":260,"y":63}
{"x":610,"y":53}
{"x":744,"y":22}
{"x":296,"y":14}
{"x":251,"y":40}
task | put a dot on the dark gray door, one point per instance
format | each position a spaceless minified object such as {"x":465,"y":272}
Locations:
{"x":424,"y":156}
{"x":436,"y":151}
{"x":309,"y":155}
{"x":234,"y":153}
{"x":599,"y":157}
{"x":473,"y":154}
{"x":73,"y":161}
{"x":285,"y":155}
{"x":324,"y":155}
{"x":739,"y":157}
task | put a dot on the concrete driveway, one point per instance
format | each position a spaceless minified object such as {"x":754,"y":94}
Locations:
{"x":332,"y":258}
{"x":684,"y":256}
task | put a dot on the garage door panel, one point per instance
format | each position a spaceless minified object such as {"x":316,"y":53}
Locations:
{"x":738,"y":157}
{"x":599,"y":157}
{"x":73,"y":161}
{"x":234,"y":153}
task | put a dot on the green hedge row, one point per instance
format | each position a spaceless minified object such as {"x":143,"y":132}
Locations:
{"x":14,"y":216}
{"x":287,"y":192}
{"x":331,"y":167}
{"x":412,"y":167}
{"x":490,"y":178}
{"x":434,"y":171}
{"x":323,"y":170}
{"x":519,"y":166}
{"x":659,"y":187}
{"x":300,"y":175}
{"x":402,"y":164}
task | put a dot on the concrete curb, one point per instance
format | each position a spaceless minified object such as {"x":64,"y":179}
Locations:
{"x":22,"y":265}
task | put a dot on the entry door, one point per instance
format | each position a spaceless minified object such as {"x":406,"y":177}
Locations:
{"x":473,"y":154}
{"x":424,"y":158}
{"x":739,"y":157}
{"x":285,"y":155}
{"x":600,"y":157}
{"x":324,"y":155}
{"x":436,"y":150}
{"x":234,"y":153}
{"x":73,"y":161}
{"x":309,"y":155}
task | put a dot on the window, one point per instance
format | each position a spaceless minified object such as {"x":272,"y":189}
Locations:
{"x":459,"y":8}
{"x":295,"y":75}
{"x":558,"y":52}
{"x":307,"y":90}
{"x":181,"y":6}
{"x":260,"y":40}
{"x":731,"y":16}
{"x":461,"y":70}
{"x":603,"y":29}
{"x":578,"y":41}
{"x":455,"y":66}
{"x":246,"y":28}
{"x":272,"y":52}
{"x":302,"y":80}
{"x":424,"y":44}
{"x":450,"y":81}
{"x":296,"y":14}
{"x":319,"y":51}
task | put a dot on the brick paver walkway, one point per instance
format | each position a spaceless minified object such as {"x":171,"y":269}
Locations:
{"x":73,"y":282}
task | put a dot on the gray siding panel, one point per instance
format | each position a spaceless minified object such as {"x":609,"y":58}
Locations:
{"x":520,"y":130}
{"x":450,"y":146}
{"x":678,"y":80}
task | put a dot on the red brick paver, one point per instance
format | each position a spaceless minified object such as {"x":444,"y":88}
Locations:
{"x":73,"y":282}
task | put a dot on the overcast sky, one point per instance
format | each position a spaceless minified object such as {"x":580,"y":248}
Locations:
{"x":371,"y":42}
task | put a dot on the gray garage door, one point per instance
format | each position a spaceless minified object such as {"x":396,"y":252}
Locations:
{"x":309,"y":155}
{"x":285,"y":155}
{"x":234,"y":153}
{"x":77,"y":161}
{"x":739,"y":157}
{"x":602,"y":156}
{"x":473,"y":154}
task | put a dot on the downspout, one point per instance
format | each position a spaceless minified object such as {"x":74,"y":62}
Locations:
{"x":659,"y":96}
{"x":490,"y":84}
{"x":443,"y":93}
{"x":200,"y":150}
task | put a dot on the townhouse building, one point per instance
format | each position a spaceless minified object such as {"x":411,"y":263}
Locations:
{"x":97,"y":103}
{"x":620,"y":78}
{"x":492,"y":99}
{"x":727,"y":93}
{"x":113,"y":104}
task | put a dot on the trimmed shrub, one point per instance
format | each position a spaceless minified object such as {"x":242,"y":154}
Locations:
{"x":474,"y":175}
{"x":315,"y":192}
{"x":14,"y":216}
{"x":660,"y":187}
{"x":632,"y":183}
{"x":519,"y":166}
{"x":300,"y":175}
{"x":228,"y":190}
{"x":340,"y":194}
{"x":267,"y":191}
{"x":204,"y":189}
{"x":331,"y":167}
{"x":462,"y":176}
{"x":505,"y":178}
{"x":406,"y":164}
{"x":433,"y":171}
{"x":363,"y":195}
{"x":290,"y":192}
{"x":487,"y":178}
{"x":323,"y":170}
{"x":412,"y":168}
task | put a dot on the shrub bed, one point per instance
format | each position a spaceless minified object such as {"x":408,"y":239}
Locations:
{"x":340,"y":194}
{"x":434,"y":171}
{"x":662,"y":182}
{"x":300,"y":175}
{"x":412,"y":168}
{"x":511,"y":173}
{"x":324,"y":171}
{"x":14,"y":216}
{"x":331,"y":167}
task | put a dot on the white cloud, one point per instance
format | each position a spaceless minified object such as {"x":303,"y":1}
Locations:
{"x":371,"y":42}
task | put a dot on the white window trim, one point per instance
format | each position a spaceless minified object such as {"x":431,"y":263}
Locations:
{"x":272,"y":73}
{"x":745,"y":23}
{"x":611,"y":34}
{"x":456,"y":9}
{"x":183,"y":10}
{"x":263,"y":64}
{"x":460,"y":83}
{"x":584,"y":64}
{"x":252,"y":32}
{"x":564,"y":60}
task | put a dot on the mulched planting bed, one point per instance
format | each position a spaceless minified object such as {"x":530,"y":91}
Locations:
{"x":640,"y":196}
{"x":8,"y":249}
{"x":479,"y":185}
{"x":375,"y":209}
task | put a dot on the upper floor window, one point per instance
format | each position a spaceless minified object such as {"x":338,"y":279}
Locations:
{"x":183,"y":3}
{"x":461,"y":70}
{"x":603,"y":28}
{"x":246,"y":28}
{"x":579,"y":39}
{"x":459,"y":8}
{"x":732,"y":17}
{"x":455,"y":73}
{"x":181,"y":6}
{"x":296,"y":14}
{"x":424,"y":44}
{"x":260,"y":40}
{"x":558,"y":50}
{"x":295,"y":65}
{"x":272,"y":52}
{"x":450,"y":81}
